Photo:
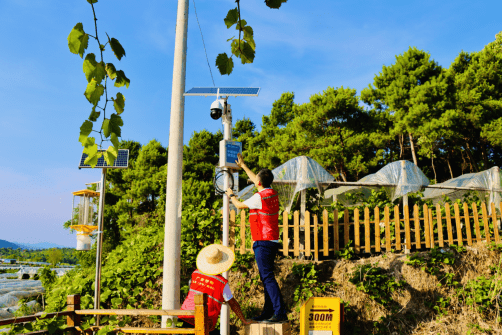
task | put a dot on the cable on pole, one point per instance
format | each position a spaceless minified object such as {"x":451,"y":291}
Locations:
{"x":195,"y":9}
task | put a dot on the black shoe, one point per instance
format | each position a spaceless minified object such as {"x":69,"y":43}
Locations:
{"x":261,"y":317}
{"x":277,"y":319}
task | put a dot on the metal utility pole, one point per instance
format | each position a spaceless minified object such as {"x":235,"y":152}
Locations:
{"x":227,"y":135}
{"x":99,"y":246}
{"x":172,"y":237}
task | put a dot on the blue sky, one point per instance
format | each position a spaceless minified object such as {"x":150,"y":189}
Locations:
{"x":301,"y":48}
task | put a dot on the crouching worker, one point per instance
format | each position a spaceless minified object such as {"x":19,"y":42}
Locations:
{"x":211,"y":262}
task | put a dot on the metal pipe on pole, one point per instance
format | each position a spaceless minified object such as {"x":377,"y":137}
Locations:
{"x":99,"y":246}
{"x":227,"y":135}
{"x":172,"y":231}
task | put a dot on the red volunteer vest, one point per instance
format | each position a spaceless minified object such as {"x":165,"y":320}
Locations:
{"x":213,"y":287}
{"x":265,"y":221}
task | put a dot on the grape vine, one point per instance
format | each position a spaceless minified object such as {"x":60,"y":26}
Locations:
{"x":97,"y":75}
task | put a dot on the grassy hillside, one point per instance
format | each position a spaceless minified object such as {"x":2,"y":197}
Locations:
{"x":443,"y":291}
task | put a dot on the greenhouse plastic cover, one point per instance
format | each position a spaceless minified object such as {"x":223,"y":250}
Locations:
{"x":399,"y":178}
{"x":293,"y":176}
{"x":488,"y":179}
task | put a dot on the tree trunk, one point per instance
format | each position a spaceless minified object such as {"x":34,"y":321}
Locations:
{"x":434,"y":169}
{"x":471,"y":158}
{"x":449,"y":166}
{"x":413,"y":150}
{"x":401,"y":140}
{"x":485,"y":155}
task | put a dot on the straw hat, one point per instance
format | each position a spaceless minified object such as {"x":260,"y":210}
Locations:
{"x":215,"y":259}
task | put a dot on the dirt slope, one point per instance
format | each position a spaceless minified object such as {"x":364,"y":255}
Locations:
{"x":426,"y":304}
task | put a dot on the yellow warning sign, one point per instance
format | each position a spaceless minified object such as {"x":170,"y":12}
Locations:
{"x":321,"y":316}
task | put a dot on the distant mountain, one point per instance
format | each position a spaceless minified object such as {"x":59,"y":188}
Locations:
{"x":7,"y":244}
{"x":40,"y":245}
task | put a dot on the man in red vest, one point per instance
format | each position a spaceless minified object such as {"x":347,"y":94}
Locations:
{"x":264,"y":220}
{"x":211,"y":262}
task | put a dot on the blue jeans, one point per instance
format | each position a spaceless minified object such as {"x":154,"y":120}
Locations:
{"x":265,"y":252}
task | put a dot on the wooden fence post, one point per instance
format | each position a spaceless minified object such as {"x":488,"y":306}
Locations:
{"x":431,"y":227}
{"x":201,"y":321}
{"x":377,"y":229}
{"x":387,"y":229}
{"x":335,"y":231}
{"x":485,"y":222}
{"x":357,"y":237}
{"x":495,"y":224}
{"x":416,"y":218}
{"x":476,"y":221}
{"x":448,"y":223}
{"x":243,"y":232}
{"x":427,"y":230}
{"x":460,"y":238}
{"x":440,"y":226}
{"x":307,"y":234}
{"x":231,"y":240}
{"x":325,"y":239}
{"x":407,"y":233}
{"x":346,"y":227}
{"x":73,"y":304}
{"x":467,"y":220}
{"x":297,"y":233}
{"x":397,"y":227}
{"x":285,"y":233}
{"x":316,"y":239}
{"x":367,"y":238}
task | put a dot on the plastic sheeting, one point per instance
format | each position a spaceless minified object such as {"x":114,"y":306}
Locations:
{"x":399,"y":178}
{"x":488,"y":179}
{"x":295,"y":175}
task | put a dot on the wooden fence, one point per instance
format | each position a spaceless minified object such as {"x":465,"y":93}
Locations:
{"x":74,"y":312}
{"x":376,"y":230}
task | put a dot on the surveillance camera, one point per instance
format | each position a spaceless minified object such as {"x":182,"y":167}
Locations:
{"x":216,"y":110}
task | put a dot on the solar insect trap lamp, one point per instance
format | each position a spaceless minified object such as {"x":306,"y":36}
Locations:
{"x":84,"y":217}
{"x":121,"y":162}
{"x":228,"y":153}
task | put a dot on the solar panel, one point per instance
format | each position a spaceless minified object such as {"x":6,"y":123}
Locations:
{"x":224,"y":91}
{"x":121,"y":162}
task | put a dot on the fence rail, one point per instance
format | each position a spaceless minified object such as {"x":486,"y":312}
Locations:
{"x":73,"y":314}
{"x":376,"y":230}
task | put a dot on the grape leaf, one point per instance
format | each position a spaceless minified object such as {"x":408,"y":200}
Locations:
{"x":276,"y":4}
{"x":93,"y":69}
{"x":117,"y":48}
{"x":121,"y":79}
{"x":110,"y":70}
{"x":224,"y":64}
{"x":110,"y":157}
{"x":94,"y":115}
{"x":114,"y":139}
{"x":78,"y":40}
{"x":247,"y":55}
{"x":85,"y":130}
{"x":112,"y":125}
{"x":119,"y":103}
{"x":92,"y":1}
{"x":232,"y":17}
{"x":91,"y":149}
{"x":241,"y":24}
{"x":93,"y":92}
{"x":248,"y":37}
{"x":115,"y":124}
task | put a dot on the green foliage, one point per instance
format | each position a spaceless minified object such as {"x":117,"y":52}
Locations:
{"x":95,"y":72}
{"x":377,"y":283}
{"x":69,"y":255}
{"x":433,"y":263}
{"x":54,"y":256}
{"x":309,"y":284}
{"x":48,"y":277}
{"x":243,"y":46}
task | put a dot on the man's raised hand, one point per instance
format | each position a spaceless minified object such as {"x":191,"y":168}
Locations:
{"x":240,"y":161}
